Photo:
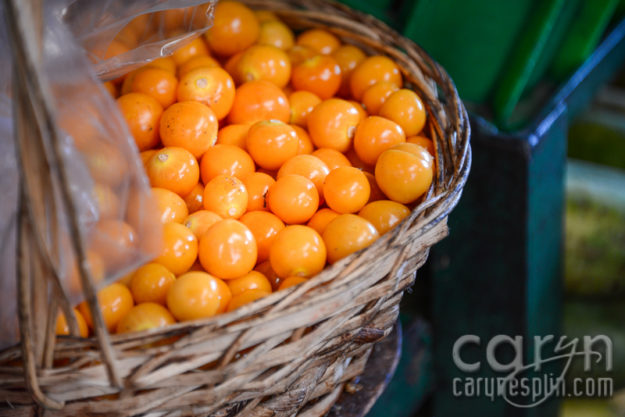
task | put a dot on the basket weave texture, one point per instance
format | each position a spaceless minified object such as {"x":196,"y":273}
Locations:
{"x":291,"y":352}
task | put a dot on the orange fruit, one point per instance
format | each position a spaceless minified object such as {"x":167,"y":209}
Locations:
{"x":293,"y":198}
{"x":271,"y":143}
{"x":143,"y":114}
{"x":231,"y":64}
{"x":265,"y":16}
{"x":319,"y":40}
{"x":233,"y":135}
{"x":166,"y":63}
{"x":253,"y":280}
{"x":195,"y":295}
{"x":275,"y":33}
{"x":299,"y":53}
{"x":115,"y":241}
{"x":356,"y":162}
{"x":384,"y":214}
{"x":291,"y":282}
{"x":361,"y":111}
{"x":157,"y":83}
{"x":259,"y":100}
{"x":225,"y":160}
{"x":320,"y":219}
{"x":264,"y":226}
{"x":146,"y":155}
{"x":115,"y":302}
{"x":305,"y":144}
{"x":189,"y":50}
{"x":246,"y":297}
{"x":332,"y":124}
{"x":226,"y":196}
{"x":373,"y":70}
{"x":404,"y":174}
{"x":302,"y":103}
{"x":265,"y":269}
{"x":228,"y":249}
{"x":424,"y":142}
{"x":145,"y":316}
{"x":195,"y":199}
{"x":190,"y":125}
{"x":211,"y":86}
{"x":198,"y":61}
{"x":346,"y":234}
{"x":111,"y":88}
{"x":179,"y":249}
{"x":235,"y":28}
{"x":62,"y":328}
{"x":376,"y":194}
{"x":374,"y":97}
{"x":332,"y":158}
{"x":374,"y":135}
{"x":297,"y":251}
{"x":308,"y":166}
{"x":346,"y":190}
{"x":200,"y":221}
{"x":320,"y":74}
{"x":264,"y":62}
{"x":348,"y":57}
{"x":257,"y":185}
{"x":405,"y":108}
{"x":225,"y":295}
{"x":174,"y":169}
{"x":107,"y":201}
{"x":171,"y":207}
{"x":106,"y":163}
{"x":150,"y":283}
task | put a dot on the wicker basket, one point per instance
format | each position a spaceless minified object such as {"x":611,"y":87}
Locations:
{"x":289,"y":353}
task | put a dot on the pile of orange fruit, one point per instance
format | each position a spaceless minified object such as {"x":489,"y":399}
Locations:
{"x":271,"y":154}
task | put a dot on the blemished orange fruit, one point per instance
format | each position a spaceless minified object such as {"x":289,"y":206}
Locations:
{"x":171,"y":207}
{"x":302,"y":103}
{"x":189,"y":50}
{"x":348,"y":57}
{"x":265,"y":269}
{"x":319,"y":40}
{"x":235,"y":28}
{"x":226,"y":196}
{"x":115,"y":302}
{"x":142,"y":114}
{"x":321,"y":218}
{"x":265,"y":227}
{"x":257,"y":185}
{"x":346,"y":190}
{"x":264,"y":62}
{"x":174,"y":169}
{"x":298,"y":251}
{"x":374,"y":97}
{"x":246,"y":297}
{"x":179,"y":249}
{"x":253,"y":280}
{"x":293,"y":198}
{"x":271,"y":143}
{"x":107,"y":201}
{"x":384,"y":214}
{"x":228,"y":160}
{"x":299,"y":53}
{"x":259,"y":100}
{"x":233,"y":135}
{"x":158,"y":83}
{"x":424,"y":142}
{"x":332,"y":158}
{"x":150,"y":283}
{"x":320,"y":74}
{"x":213,"y":87}
{"x":275,"y":33}
{"x":405,"y":108}
{"x":308,"y":166}
{"x":145,"y":316}
{"x":332,"y":124}
{"x":228,"y":249}
{"x":198,"y":61}
{"x":195,"y":199}
{"x":305,"y":146}
{"x":291,"y":282}
{"x":374,"y":135}
{"x":200,"y":221}
{"x":373,"y":70}
{"x":376,"y":194}
{"x":194,"y":295}
{"x":346,"y":234}
{"x":406,"y":173}
{"x":190,"y":125}
{"x":115,"y":241}
{"x":62,"y":327}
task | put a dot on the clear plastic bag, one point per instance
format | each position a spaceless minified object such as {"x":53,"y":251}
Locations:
{"x":112,"y":196}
